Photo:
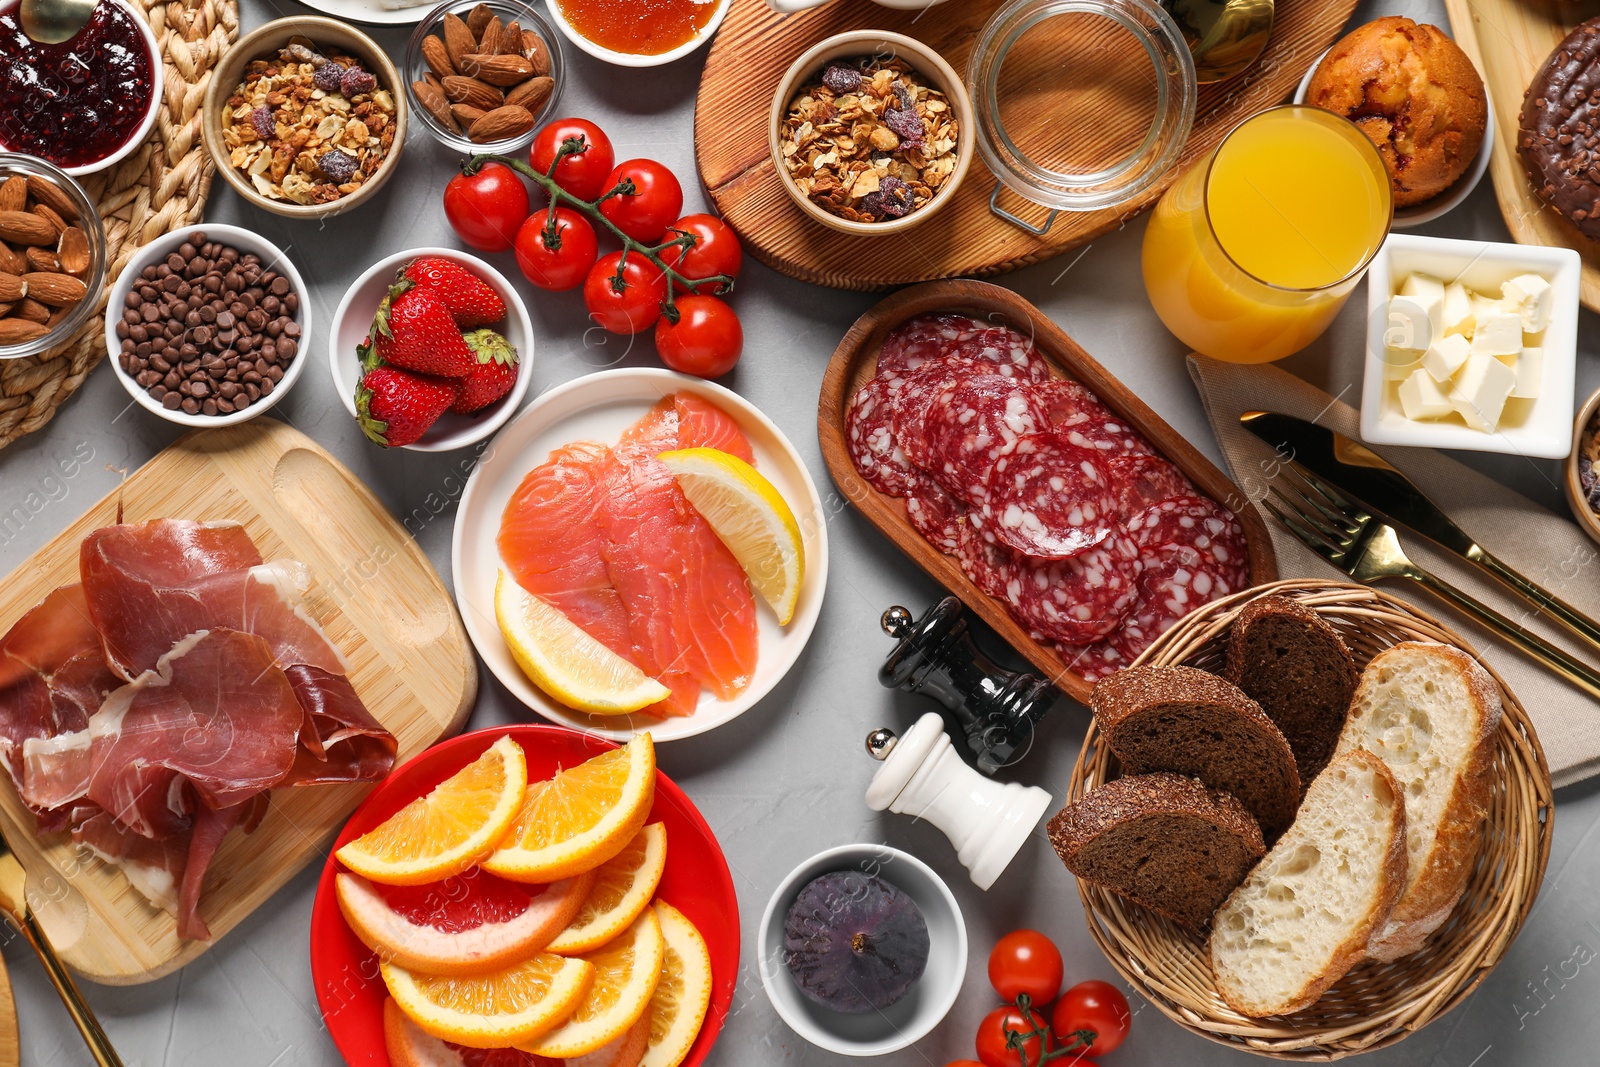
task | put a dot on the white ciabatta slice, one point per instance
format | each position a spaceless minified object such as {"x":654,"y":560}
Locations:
{"x":1306,"y":912}
{"x":1431,"y":712}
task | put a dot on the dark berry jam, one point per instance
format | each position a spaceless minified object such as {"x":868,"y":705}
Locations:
{"x":78,"y":102}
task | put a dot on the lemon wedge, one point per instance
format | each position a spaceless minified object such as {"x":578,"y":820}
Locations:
{"x":750,"y":516}
{"x":566,"y":662}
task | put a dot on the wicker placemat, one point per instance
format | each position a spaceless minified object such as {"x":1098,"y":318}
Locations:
{"x":157,"y":189}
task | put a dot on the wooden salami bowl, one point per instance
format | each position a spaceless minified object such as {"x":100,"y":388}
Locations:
{"x":855,"y":362}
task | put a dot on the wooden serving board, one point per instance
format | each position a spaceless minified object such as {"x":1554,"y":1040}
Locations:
{"x":375,"y":594}
{"x":754,"y":48}
{"x":855,"y":362}
{"x":1508,"y":41}
{"x":10,"y":1047}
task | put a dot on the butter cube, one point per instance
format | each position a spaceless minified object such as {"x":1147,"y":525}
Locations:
{"x":1399,"y":363}
{"x":1429,"y":292}
{"x":1530,"y":297}
{"x":1481,"y":391}
{"x":1456,"y":314}
{"x":1407,"y":325}
{"x":1498,"y":334}
{"x":1529,"y":367}
{"x":1484,"y":306}
{"x":1421,"y":397}
{"x":1445,"y":356}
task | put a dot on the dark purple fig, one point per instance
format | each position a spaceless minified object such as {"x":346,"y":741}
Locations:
{"x":854,"y":943}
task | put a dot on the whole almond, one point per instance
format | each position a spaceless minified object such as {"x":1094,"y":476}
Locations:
{"x":510,"y":42}
{"x":26,"y":228}
{"x":489,"y":39}
{"x":478,"y":18}
{"x":460,"y":90}
{"x":535,"y":51}
{"x":466,"y":114}
{"x":432,"y":98}
{"x":73,"y":251}
{"x":5,"y":309}
{"x":31,"y":310}
{"x":497,"y":70}
{"x":458,"y":40}
{"x":531,"y":94}
{"x":502,"y":122}
{"x":14,"y":193}
{"x":48,"y":193}
{"x":433,"y":79}
{"x":12,"y":262}
{"x":14,"y":331}
{"x":58,"y":314}
{"x":55,"y":289}
{"x":45,"y":211}
{"x":434,"y":54}
{"x":42,"y":259}
{"x":12,"y":288}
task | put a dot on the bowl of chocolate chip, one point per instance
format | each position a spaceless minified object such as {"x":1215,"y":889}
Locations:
{"x":207,"y":326}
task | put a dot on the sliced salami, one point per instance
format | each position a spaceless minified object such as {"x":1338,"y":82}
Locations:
{"x":1078,"y":414}
{"x":1176,"y":580}
{"x":938,"y":516}
{"x":928,"y":338}
{"x":1201,"y":524}
{"x":1141,"y":481}
{"x":1076,"y":600}
{"x":988,"y":565}
{"x":1048,"y":498}
{"x":1095,"y":660}
{"x":870,"y":438}
{"x":912,"y":394}
{"x":967,"y":426}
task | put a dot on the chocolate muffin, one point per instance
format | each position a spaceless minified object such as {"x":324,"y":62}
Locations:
{"x":1558,"y":139}
{"x":1415,"y":94}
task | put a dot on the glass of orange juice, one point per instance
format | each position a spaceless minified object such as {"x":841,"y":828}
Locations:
{"x":1250,"y":255}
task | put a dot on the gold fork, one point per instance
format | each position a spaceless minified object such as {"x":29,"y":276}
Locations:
{"x":14,"y":902}
{"x":1368,"y":550}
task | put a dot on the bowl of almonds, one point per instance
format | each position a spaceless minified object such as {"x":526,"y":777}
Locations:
{"x":483,"y":76}
{"x":52,"y":256}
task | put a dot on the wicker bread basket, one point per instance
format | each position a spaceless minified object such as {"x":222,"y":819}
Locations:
{"x":1376,"y":1004}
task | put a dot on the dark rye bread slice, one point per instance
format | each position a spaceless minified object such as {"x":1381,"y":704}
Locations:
{"x":1161,"y":840}
{"x":1191,"y":722}
{"x":1299,"y":670}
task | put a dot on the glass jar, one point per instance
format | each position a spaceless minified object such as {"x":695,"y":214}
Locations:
{"x":1080,"y":105}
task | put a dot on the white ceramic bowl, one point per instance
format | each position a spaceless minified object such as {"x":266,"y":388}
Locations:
{"x":922,"y":1008}
{"x":158,"y":250}
{"x":1417,"y":214}
{"x":634,"y":59}
{"x":150,"y":113}
{"x":1541,"y":427}
{"x":354,"y":317}
{"x":598,"y":407}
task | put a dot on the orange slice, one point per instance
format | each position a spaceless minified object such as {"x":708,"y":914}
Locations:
{"x":518,"y":1004}
{"x":623,"y":887}
{"x":626,"y":1051}
{"x":625,"y":976}
{"x":582,"y":817}
{"x":682,"y":997}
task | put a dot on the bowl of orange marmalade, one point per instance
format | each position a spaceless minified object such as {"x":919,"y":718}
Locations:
{"x":641,"y":33}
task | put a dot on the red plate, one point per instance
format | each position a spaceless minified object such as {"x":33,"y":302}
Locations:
{"x":697,"y":882}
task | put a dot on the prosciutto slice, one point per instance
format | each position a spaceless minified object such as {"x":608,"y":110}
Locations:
{"x":340,"y":741}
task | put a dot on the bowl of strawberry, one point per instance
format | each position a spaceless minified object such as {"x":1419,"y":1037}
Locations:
{"x":431,"y":350}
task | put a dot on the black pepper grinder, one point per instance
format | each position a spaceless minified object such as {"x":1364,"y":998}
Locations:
{"x":996,"y":709}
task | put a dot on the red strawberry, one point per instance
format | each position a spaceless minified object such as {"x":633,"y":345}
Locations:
{"x":413,"y":329}
{"x":494,"y":375}
{"x":395,"y":407}
{"x":470,"y":299}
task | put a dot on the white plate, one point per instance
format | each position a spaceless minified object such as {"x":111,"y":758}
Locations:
{"x":371,"y":12}
{"x":599,"y":407}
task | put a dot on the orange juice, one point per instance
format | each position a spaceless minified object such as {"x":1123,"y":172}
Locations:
{"x":1250,"y":255}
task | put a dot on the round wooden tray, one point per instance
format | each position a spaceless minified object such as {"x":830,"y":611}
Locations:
{"x":1376,"y":1004}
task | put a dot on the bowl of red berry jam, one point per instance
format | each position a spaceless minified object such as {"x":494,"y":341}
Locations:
{"x":83,"y":104}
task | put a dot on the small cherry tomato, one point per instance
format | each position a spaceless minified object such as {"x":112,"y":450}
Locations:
{"x":630,"y":307}
{"x":706,"y":340}
{"x":963,"y":1063}
{"x":715,"y":250}
{"x":583,"y":174}
{"x":1092,"y":1006}
{"x":992,"y":1048}
{"x":1025,"y":961}
{"x":556,"y":257}
{"x":486,"y":209}
{"x":655,"y":201}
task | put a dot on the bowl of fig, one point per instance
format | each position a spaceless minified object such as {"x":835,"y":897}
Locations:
{"x":863,"y":949}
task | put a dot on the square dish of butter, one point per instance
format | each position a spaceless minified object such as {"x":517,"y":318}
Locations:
{"x":1471,"y":345}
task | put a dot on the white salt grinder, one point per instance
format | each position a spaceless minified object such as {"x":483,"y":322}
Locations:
{"x":922,"y":776}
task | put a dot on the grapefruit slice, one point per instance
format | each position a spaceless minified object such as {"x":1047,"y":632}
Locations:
{"x":682,"y":997}
{"x":447,"y":831}
{"x":623,"y":887}
{"x":519,"y":1004}
{"x":473,"y":923}
{"x":626,"y":972}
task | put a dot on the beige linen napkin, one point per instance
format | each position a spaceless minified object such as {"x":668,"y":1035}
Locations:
{"x":1549,"y":549}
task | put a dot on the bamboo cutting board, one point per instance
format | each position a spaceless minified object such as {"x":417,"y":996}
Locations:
{"x":375,"y":594}
{"x":10,"y":1049}
{"x":755,"y":47}
{"x":1509,"y":40}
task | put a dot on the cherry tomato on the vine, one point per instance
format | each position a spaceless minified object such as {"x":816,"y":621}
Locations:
{"x":1097,"y":1006}
{"x":992,"y":1048}
{"x":706,"y":340}
{"x":655,"y":201}
{"x":583,"y":174}
{"x":485,"y":209}
{"x":963,"y":1063}
{"x":1026,"y":961}
{"x":715,"y":251}
{"x":561,"y":262}
{"x":632,"y":307}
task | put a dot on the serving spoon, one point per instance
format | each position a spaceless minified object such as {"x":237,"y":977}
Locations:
{"x":1224,"y":36}
{"x":55,"y":21}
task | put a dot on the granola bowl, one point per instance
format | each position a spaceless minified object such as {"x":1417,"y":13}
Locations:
{"x":295,"y":155}
{"x":924,"y":175}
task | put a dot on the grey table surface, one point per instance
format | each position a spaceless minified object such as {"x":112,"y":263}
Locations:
{"x":785,"y":780}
